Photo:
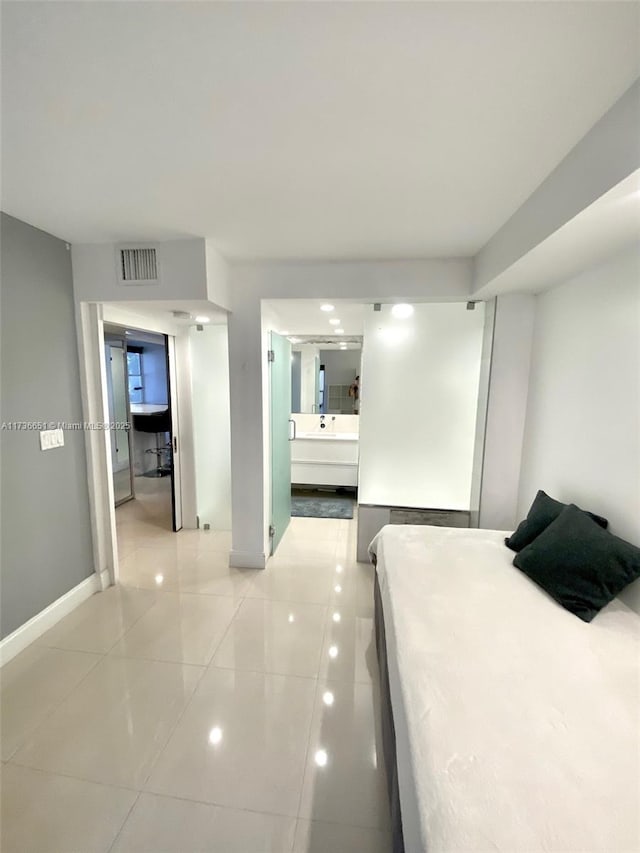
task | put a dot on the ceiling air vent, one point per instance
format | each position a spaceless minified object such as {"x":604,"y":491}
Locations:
{"x":138,"y":265}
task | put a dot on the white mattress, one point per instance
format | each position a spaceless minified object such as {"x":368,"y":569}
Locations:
{"x":517,"y":724}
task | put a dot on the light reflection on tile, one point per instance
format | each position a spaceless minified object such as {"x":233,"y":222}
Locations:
{"x":274,"y":636}
{"x":342,"y":784}
{"x":114,"y":724}
{"x":349,"y":652}
{"x":258,"y":763}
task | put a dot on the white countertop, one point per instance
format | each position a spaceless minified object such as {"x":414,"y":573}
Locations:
{"x":325,"y":435}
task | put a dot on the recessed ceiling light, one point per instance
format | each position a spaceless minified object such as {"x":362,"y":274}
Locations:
{"x":343,"y":346}
{"x":401,"y":311}
{"x":215,"y":735}
{"x":334,"y":321}
{"x":339,"y":331}
{"x":200,"y":318}
{"x":321,"y":758}
{"x":327,"y":307}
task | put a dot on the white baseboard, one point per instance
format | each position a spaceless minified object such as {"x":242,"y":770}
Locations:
{"x":247,"y":560}
{"x":17,"y":641}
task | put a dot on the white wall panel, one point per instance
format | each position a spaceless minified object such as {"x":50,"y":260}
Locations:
{"x":418,"y":406}
{"x":211,"y":429}
{"x":582,"y":437}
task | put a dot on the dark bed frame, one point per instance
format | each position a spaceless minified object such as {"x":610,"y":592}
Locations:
{"x":388,"y":729}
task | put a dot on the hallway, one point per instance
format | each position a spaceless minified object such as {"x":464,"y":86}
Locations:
{"x":202,"y":708}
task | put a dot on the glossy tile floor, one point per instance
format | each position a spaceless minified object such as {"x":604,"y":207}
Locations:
{"x":197,"y":707}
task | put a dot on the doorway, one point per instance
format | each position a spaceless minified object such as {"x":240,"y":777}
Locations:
{"x":314,"y":369}
{"x":144,"y":466}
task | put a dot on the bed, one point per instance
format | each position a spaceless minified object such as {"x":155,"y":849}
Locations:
{"x":509,"y":724}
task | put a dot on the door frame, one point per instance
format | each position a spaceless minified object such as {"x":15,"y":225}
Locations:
{"x":112,"y":335}
{"x":175,"y":438}
{"x":90,"y":322}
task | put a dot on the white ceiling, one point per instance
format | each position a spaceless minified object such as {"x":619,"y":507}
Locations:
{"x":161,"y":312}
{"x":300,"y":130}
{"x":304,"y":316}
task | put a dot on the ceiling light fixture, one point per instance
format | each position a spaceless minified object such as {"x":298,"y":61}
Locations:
{"x":200,"y":318}
{"x":327,"y":307}
{"x":401,"y":311}
{"x":321,"y":758}
{"x":215,"y":735}
{"x":334,"y":321}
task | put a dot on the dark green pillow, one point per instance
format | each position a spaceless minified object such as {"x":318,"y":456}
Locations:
{"x":543,"y":511}
{"x":579,"y":563}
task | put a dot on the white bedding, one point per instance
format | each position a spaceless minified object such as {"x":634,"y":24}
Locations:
{"x":517,"y":724}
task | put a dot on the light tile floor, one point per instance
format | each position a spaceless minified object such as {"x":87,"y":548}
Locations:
{"x":197,"y":707}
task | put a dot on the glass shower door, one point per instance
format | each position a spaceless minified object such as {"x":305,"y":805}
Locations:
{"x":280,"y":392}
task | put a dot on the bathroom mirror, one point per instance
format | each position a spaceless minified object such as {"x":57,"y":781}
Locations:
{"x":325,"y":377}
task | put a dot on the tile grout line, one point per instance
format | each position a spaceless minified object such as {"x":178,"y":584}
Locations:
{"x":315,"y":699}
{"x":56,"y":705}
{"x":124,"y":822}
{"x":188,"y":703}
{"x":65,"y":775}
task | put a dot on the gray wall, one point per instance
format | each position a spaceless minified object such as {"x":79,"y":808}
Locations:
{"x":46,"y":537}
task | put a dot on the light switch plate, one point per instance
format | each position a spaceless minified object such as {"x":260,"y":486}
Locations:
{"x":50,"y":438}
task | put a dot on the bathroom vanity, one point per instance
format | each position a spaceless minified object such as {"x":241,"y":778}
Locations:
{"x":325,"y":456}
